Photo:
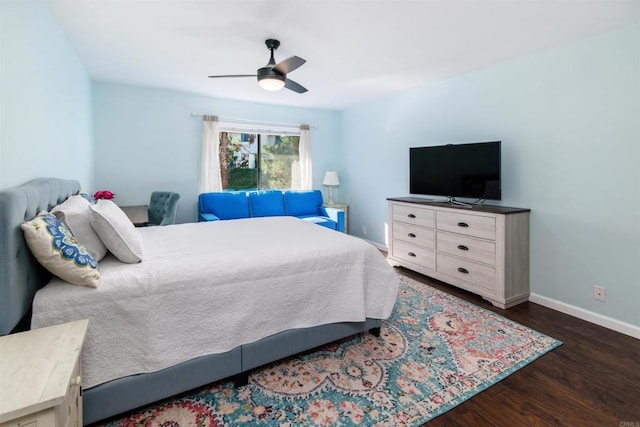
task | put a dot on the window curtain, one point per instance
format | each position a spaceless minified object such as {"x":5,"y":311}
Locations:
{"x":210,"y":179}
{"x":306,"y":169}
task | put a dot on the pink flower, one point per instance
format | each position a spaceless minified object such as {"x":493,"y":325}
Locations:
{"x":103,"y":194}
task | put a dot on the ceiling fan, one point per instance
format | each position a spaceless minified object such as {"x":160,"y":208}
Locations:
{"x":274,"y":76}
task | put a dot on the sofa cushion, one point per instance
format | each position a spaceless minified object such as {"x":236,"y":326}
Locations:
{"x":267,"y":203}
{"x":301,"y":203}
{"x":321,"y":220}
{"x":231,"y":205}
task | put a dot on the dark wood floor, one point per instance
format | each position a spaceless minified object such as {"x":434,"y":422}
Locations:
{"x":593,"y":379}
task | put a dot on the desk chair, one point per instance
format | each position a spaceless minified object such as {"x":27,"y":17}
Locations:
{"x":162,"y":207}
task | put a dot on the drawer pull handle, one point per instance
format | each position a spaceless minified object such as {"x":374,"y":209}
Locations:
{"x":411,"y":235}
{"x":77,"y":381}
{"x":463,"y":270}
{"x":411,"y":254}
{"x":411,"y":216}
{"x":463,"y":248}
{"x":463,"y":224}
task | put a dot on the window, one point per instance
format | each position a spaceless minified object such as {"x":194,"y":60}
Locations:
{"x":259,"y":161}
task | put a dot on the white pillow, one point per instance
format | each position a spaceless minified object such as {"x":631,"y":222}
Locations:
{"x":116,"y":231}
{"x":75,"y":214}
{"x":55,"y":248}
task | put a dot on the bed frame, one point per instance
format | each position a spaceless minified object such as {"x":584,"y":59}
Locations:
{"x":21,"y":276}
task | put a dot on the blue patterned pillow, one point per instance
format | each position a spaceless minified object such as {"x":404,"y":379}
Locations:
{"x":53,"y":245}
{"x":88,"y":198}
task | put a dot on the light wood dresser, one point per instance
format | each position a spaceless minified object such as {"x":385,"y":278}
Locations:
{"x":41,"y":376}
{"x":483,"y":249}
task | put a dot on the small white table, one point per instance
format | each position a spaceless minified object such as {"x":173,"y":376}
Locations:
{"x":343,"y":207}
{"x":41,"y":376}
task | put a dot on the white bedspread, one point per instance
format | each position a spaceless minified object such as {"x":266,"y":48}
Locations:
{"x":205,"y":288}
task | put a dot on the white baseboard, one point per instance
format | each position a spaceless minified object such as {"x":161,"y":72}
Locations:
{"x":589,"y":316}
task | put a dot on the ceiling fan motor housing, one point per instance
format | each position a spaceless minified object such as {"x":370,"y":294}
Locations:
{"x":270,"y":79}
{"x":270,"y":73}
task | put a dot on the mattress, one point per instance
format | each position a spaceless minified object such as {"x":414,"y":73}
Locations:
{"x":206,"y":288}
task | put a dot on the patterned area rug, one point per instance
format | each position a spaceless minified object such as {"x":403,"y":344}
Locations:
{"x":435,"y":352}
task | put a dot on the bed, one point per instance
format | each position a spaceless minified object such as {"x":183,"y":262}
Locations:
{"x":224,"y":297}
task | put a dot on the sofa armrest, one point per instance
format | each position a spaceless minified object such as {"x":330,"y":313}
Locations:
{"x":336,"y":215}
{"x":203,"y":216}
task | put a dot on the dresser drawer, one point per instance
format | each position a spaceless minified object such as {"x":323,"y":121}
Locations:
{"x":418,"y":215}
{"x":470,"y":225}
{"x":414,"y":254}
{"x":413,"y":234}
{"x":466,"y":270}
{"x":467,"y":247}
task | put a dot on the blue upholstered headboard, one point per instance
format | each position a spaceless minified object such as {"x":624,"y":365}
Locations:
{"x":20,"y":274}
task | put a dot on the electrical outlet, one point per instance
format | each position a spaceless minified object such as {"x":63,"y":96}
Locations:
{"x":364,"y":230}
{"x":599,"y":293}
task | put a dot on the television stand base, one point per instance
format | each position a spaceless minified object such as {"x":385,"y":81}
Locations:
{"x":452,"y":201}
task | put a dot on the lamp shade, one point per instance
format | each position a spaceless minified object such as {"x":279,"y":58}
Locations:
{"x":331,"y":178}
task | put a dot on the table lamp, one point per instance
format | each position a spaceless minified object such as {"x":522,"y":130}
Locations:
{"x":331,"y":179}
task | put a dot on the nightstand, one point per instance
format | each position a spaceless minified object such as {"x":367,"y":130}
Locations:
{"x":41,"y":376}
{"x":343,"y":207}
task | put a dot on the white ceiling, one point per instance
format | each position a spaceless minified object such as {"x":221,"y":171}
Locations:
{"x":355,"y":50}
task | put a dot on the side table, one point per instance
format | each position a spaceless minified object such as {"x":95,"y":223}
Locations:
{"x":139,"y":215}
{"x":343,"y":207}
{"x":41,"y":374}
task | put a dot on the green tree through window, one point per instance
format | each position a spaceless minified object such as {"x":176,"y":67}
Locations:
{"x":259,"y":161}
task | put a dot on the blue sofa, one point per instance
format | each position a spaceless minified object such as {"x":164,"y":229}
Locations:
{"x":306,"y":205}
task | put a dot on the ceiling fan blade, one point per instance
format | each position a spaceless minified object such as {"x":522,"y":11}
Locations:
{"x":296,"y":87}
{"x":234,"y":75}
{"x":289,"y":64}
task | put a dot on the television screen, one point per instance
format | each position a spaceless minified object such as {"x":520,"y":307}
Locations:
{"x":456,"y":170}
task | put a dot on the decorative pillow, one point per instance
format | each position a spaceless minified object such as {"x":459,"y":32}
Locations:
{"x":116,"y":231}
{"x":75,"y":214}
{"x":88,"y":198}
{"x":53,"y":245}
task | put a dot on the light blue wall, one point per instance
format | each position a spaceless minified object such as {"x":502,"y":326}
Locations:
{"x":569,"y":121}
{"x":146,"y":140}
{"x":45,"y":99}
{"x":568,"y":118}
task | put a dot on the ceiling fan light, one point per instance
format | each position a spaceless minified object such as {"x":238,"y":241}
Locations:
{"x":272,"y":84}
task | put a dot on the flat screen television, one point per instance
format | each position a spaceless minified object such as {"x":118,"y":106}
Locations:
{"x":456,"y":170}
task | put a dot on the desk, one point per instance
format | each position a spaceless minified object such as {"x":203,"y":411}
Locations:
{"x":139,"y":215}
{"x":344,"y":208}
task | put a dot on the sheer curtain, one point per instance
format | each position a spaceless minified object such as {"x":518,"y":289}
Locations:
{"x":306,"y":169}
{"x":210,"y":179}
